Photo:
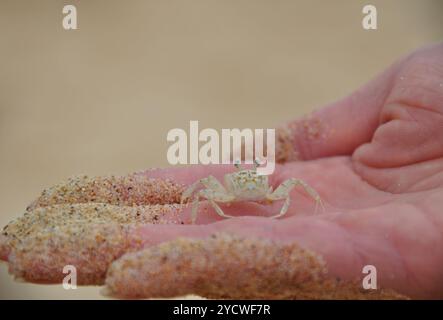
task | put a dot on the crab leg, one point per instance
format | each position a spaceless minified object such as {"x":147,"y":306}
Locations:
{"x":209,"y":182}
{"x":282,"y":192}
{"x":218,"y":209}
{"x":214,"y":192}
{"x":195,"y":203}
{"x":212,"y":196}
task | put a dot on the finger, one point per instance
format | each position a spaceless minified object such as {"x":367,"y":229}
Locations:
{"x":321,"y":235}
{"x":39,"y":244}
{"x":129,"y":190}
{"x":252,"y":270}
{"x":406,"y":152}
{"x":155,"y":186}
{"x":230,"y":259}
{"x":338,"y":128}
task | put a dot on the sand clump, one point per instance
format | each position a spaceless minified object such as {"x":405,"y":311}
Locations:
{"x":130,"y":190}
{"x":288,"y":140}
{"x":85,"y":222}
{"x":230,"y":267}
{"x":89,"y":236}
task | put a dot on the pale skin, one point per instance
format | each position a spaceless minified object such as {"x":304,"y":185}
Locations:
{"x":377,"y":164}
{"x":245,"y":185}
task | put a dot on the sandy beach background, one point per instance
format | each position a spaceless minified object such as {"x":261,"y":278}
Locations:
{"x":100,"y":100}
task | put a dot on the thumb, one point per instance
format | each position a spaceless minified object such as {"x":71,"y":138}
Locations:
{"x":406,"y":152}
{"x":338,"y":128}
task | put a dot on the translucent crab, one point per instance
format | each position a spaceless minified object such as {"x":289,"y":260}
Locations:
{"x":244,"y":185}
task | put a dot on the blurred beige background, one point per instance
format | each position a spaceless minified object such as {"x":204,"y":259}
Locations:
{"x":100,"y":99}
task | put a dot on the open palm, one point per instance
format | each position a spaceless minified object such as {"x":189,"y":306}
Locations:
{"x":376,"y":159}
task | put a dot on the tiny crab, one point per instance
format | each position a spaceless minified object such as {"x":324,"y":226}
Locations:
{"x":244,"y":185}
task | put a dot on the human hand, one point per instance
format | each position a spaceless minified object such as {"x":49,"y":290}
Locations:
{"x":376,"y":159}
{"x":379,"y":169}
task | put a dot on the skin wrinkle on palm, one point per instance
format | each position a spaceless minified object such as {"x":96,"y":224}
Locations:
{"x":382,"y":207}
